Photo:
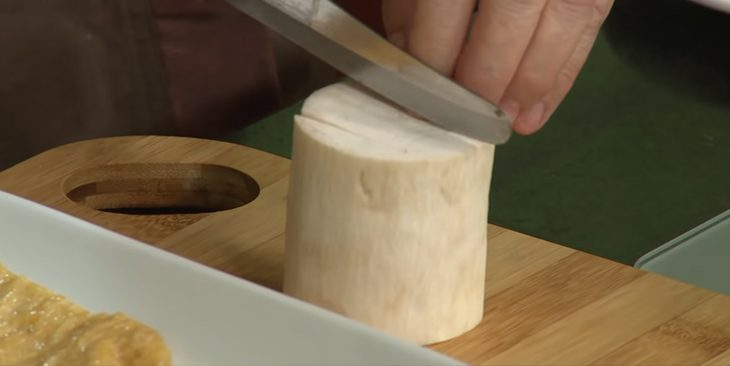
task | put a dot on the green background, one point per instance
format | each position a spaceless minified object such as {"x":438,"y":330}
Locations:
{"x":636,"y":155}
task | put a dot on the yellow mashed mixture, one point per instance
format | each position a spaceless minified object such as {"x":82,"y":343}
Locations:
{"x":39,"y":327}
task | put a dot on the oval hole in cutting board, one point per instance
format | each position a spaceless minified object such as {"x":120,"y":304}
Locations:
{"x":156,"y":189}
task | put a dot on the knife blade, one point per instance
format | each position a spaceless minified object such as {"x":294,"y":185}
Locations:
{"x":340,"y":40}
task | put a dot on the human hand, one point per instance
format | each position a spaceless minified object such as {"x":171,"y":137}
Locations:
{"x":523,"y":55}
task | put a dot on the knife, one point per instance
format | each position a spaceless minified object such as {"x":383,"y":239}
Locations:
{"x":340,"y":40}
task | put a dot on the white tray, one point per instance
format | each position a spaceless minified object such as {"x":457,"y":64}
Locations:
{"x":721,"y":5}
{"x":207,"y":317}
{"x":699,"y":257}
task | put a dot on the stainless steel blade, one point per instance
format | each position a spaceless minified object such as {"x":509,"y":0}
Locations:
{"x":328,"y":32}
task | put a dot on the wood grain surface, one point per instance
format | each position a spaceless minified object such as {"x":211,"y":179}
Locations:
{"x":545,"y":304}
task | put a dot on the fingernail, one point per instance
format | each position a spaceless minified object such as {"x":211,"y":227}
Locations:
{"x":532,"y":118}
{"x":546,"y":116}
{"x":398,"y":39}
{"x":511,"y":108}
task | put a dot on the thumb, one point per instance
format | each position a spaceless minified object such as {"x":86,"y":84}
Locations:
{"x":433,"y":30}
{"x":397,"y":19}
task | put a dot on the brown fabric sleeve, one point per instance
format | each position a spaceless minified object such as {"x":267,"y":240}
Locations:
{"x":220,"y":66}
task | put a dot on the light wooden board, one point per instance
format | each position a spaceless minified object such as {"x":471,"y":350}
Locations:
{"x":545,"y":304}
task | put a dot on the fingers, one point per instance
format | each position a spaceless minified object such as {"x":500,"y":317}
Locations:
{"x":434,"y":30}
{"x":562,"y":26}
{"x":499,"y":37}
{"x":572,"y":68}
{"x":521,"y":54}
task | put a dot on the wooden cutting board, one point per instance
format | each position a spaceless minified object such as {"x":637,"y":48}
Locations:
{"x":546,"y":304}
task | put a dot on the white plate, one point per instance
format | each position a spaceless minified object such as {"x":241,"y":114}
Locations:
{"x":721,"y":5}
{"x":207,"y":317}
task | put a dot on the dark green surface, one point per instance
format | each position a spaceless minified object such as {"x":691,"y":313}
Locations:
{"x":635,"y":156}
